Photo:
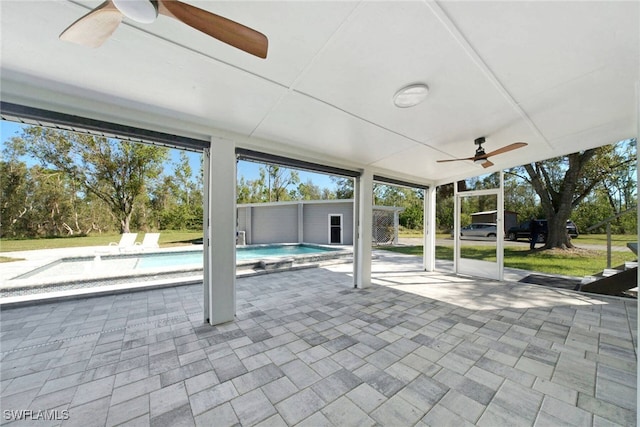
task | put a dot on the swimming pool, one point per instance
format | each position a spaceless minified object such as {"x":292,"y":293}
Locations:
{"x":243,"y":253}
{"x":92,"y":267}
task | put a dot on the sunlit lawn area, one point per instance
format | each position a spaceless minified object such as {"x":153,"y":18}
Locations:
{"x":167,"y":238}
{"x":570,"y":263}
{"x":601,"y":239}
{"x":584,"y":239}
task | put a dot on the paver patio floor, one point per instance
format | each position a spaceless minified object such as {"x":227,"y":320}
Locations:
{"x":306,"y":348}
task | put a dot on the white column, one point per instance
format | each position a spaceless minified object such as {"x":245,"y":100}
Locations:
{"x":206,"y":225}
{"x":221,"y":281}
{"x":356,"y":229}
{"x":638,"y":208}
{"x":500,"y":229}
{"x":365,"y":227}
{"x":456,"y":229}
{"x":429,"y":235}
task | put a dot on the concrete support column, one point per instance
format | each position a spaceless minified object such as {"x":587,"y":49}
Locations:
{"x":365,"y":226}
{"x":429,"y":215}
{"x":206,"y":225}
{"x":220,"y":287}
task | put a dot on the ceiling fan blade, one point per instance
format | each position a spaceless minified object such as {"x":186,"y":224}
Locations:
{"x":94,"y":28}
{"x":223,"y":29}
{"x":454,"y":160}
{"x":506,"y":148}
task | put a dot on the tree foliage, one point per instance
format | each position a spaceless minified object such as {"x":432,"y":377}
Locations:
{"x":116,"y":172}
{"x":562,"y":184}
{"x":85,"y":183}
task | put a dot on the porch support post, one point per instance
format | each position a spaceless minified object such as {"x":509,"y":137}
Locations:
{"x":206,"y":225}
{"x":429,"y":235}
{"x":221,"y":283}
{"x":365,"y":227}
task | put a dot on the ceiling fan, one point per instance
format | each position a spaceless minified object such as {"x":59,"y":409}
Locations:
{"x":482,"y":157}
{"x":94,"y":28}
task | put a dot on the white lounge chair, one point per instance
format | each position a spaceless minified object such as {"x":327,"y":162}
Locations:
{"x":150,"y":241}
{"x":127,"y":240}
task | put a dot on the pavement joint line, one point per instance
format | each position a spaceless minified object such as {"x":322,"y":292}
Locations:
{"x":158,"y":323}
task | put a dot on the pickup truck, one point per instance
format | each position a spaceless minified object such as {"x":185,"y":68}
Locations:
{"x":522,"y":230}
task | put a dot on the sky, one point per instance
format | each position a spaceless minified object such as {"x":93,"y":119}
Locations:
{"x":248,"y":170}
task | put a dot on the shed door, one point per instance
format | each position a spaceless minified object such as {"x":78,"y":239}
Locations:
{"x":335,"y":228}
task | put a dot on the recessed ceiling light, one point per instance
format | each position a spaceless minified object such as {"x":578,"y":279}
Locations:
{"x":142,"y":11}
{"x":411,"y":95}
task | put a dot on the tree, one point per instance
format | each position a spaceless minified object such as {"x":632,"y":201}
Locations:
{"x":564,"y":182}
{"x":278,"y":179}
{"x":410,"y":199}
{"x":308,"y":191}
{"x":114,"y":171}
{"x":15,"y":205}
{"x":344,"y":187}
{"x":176,"y":201}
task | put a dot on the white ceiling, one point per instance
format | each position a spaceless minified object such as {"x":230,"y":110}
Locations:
{"x":558,"y":75}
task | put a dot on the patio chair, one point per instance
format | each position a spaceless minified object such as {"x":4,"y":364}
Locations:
{"x":150,"y":241}
{"x":127,"y":240}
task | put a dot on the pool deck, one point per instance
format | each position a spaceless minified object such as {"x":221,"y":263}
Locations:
{"x":414,"y":349}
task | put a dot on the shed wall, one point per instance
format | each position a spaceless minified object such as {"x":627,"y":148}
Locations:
{"x":274,"y":224}
{"x":316,"y":222}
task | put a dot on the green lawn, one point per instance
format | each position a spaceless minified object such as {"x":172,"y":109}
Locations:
{"x":167,"y":238}
{"x":601,"y":239}
{"x":571,"y":263}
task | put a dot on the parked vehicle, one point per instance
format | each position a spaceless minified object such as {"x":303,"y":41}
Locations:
{"x":479,"y":229}
{"x":522,"y":230}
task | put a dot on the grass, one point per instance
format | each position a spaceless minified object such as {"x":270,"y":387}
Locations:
{"x":167,"y":238}
{"x":570,"y":263}
{"x":601,"y":239}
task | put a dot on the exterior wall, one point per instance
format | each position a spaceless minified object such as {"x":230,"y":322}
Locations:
{"x":316,"y":222}
{"x":242,"y":219}
{"x":296,"y":222}
{"x":274,"y":224}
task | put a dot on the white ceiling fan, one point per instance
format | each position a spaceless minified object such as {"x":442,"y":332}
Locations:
{"x":94,"y":28}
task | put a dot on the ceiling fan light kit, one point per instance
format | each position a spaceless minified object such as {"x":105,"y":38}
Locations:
{"x":410,"y":96}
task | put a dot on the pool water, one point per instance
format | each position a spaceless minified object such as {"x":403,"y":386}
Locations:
{"x":242,"y":254}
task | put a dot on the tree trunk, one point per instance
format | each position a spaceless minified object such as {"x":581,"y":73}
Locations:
{"x":558,"y":203}
{"x":557,"y":236}
{"x":124,"y":224}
